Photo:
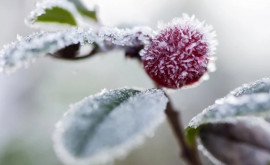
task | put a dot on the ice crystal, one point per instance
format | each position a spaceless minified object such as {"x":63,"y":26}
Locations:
{"x":228,"y":108}
{"x":108,"y":125}
{"x":136,"y":36}
{"x":180,"y":52}
{"x":25,"y":50}
{"x":249,"y":100}
{"x":260,"y":86}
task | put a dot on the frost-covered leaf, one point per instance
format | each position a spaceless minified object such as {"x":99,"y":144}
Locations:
{"x":234,"y":130}
{"x":250,"y":100}
{"x":25,"y":50}
{"x":108,"y":125}
{"x":244,"y":142}
{"x":69,"y":12}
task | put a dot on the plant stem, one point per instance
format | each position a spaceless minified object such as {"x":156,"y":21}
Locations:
{"x":189,"y":154}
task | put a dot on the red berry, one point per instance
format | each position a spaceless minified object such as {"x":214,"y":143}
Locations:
{"x":179,"y":54}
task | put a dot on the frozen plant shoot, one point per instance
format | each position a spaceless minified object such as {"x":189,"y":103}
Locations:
{"x":107,"y":125}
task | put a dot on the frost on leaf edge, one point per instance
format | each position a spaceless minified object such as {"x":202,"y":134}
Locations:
{"x":26,"y":50}
{"x":255,"y":92}
{"x":108,"y":155}
{"x":69,"y":6}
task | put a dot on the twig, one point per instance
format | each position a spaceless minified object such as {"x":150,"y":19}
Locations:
{"x":189,"y":154}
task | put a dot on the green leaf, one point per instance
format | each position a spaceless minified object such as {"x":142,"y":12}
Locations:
{"x":108,"y":125}
{"x":58,"y":15}
{"x":91,"y":14}
{"x":249,"y":100}
{"x":28,"y":49}
{"x":68,"y":12}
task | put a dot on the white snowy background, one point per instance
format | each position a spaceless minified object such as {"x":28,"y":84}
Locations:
{"x":33,"y":99}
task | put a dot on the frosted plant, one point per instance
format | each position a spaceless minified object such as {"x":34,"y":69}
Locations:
{"x":107,"y":125}
{"x":28,"y":49}
{"x":236,"y":123}
{"x":136,"y":36}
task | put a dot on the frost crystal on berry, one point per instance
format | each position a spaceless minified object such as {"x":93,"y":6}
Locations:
{"x":180,"y":53}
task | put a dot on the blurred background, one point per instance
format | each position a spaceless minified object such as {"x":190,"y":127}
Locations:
{"x":33,"y":99}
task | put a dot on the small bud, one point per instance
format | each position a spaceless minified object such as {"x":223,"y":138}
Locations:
{"x":179,"y":54}
{"x":244,"y":142}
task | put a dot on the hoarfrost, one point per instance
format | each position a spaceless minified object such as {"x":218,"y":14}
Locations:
{"x":185,"y":45}
{"x":226,"y":109}
{"x":28,"y":49}
{"x":25,"y":50}
{"x":194,"y":25}
{"x":259,"y":86}
{"x":248,"y":100}
{"x":108,"y":125}
{"x":126,"y":37}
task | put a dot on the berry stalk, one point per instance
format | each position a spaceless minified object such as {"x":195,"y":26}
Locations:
{"x":188,"y":153}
